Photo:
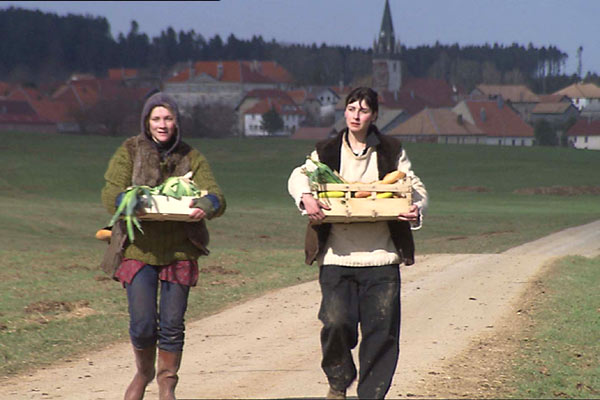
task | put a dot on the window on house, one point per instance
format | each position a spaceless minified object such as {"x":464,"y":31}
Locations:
{"x":586,"y":139}
{"x":514,"y":142}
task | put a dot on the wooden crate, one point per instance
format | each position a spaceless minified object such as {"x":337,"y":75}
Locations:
{"x":350,"y":209}
{"x":165,"y":208}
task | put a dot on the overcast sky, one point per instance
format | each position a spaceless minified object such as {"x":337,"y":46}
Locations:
{"x":566,"y":24}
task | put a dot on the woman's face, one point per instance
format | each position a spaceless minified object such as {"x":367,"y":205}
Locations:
{"x":161,"y":124}
{"x":359,"y":116}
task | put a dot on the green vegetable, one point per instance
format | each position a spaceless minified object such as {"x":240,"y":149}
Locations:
{"x":322,"y":173}
{"x":136,"y":197}
{"x":132,"y":198}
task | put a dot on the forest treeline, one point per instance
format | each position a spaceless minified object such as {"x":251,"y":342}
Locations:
{"x":41,"y":47}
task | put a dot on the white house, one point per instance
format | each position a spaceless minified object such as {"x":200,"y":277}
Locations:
{"x":585,"y":134}
{"x":291,"y":114}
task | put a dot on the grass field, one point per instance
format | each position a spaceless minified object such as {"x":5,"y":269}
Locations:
{"x":54,"y":302}
{"x":559,"y":357}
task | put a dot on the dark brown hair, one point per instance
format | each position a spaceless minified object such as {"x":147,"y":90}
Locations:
{"x":364,"y":93}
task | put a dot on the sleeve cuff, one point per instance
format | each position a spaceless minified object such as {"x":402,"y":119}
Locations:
{"x":209,"y":204}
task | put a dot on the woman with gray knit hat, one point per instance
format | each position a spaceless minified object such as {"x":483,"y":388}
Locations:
{"x":166,"y":255}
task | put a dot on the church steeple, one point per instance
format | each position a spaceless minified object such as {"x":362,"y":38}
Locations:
{"x":387,"y":66}
{"x":386,"y":43}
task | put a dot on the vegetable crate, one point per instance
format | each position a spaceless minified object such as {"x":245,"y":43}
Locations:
{"x":364,"y":202}
{"x":167,"y":208}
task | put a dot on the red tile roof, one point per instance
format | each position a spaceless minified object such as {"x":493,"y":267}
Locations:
{"x":87,"y":92}
{"x":497,"y":121}
{"x":20,"y":112}
{"x":237,"y":71}
{"x":122,"y":73}
{"x":5,"y":88}
{"x":405,"y":100}
{"x":281,"y":106}
{"x":585,"y":127}
{"x":435,"y":92}
{"x":299,"y":96}
{"x":46,"y":108}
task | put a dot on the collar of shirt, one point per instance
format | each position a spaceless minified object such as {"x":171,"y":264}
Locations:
{"x":372,"y":141}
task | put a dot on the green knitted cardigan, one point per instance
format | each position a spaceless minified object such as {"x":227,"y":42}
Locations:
{"x":162,"y":242}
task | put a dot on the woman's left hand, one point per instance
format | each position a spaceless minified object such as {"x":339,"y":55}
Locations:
{"x":411,"y":215}
{"x":196,"y":213}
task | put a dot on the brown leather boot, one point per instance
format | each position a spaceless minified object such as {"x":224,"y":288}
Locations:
{"x":168,"y":365}
{"x":144,"y":361}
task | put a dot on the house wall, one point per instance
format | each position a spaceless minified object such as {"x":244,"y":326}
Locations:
{"x":188,"y":95}
{"x":252,"y":125}
{"x":461,"y":139}
{"x":509,"y":141}
{"x":586,"y":142}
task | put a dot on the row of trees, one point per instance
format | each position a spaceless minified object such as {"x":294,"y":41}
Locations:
{"x":39,"y":47}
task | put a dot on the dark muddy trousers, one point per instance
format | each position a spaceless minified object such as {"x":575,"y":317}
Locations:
{"x":369,"y":296}
{"x":146,"y":323}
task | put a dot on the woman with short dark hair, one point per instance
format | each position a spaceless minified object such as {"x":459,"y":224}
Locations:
{"x":359,"y":263}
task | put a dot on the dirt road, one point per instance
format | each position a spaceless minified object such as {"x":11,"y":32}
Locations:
{"x":269,"y":347}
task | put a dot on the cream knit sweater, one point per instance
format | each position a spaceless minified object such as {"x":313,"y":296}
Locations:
{"x":358,"y":244}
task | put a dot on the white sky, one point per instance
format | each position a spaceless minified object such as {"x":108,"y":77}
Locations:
{"x":566,"y":24}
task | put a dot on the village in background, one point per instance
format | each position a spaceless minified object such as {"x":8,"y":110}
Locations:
{"x":258,"y":98}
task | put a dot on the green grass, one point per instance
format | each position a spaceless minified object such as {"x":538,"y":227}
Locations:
{"x":559,"y":359}
{"x":50,"y":210}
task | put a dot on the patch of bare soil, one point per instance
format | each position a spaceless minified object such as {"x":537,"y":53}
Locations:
{"x":218,"y":270}
{"x":44,"y":311}
{"x":561,"y":190}
{"x":485,"y":369}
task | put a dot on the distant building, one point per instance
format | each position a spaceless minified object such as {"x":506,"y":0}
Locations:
{"x":519,"y":97}
{"x":585,"y":134}
{"x":439,"y":125}
{"x":290,"y":113}
{"x":501,"y":124}
{"x":582,"y":94}
{"x":224,"y":82}
{"x":18,"y":115}
{"x":133,"y":77}
{"x":55,"y":111}
{"x":260,"y":99}
{"x":318,"y":102}
{"x":387,"y":66}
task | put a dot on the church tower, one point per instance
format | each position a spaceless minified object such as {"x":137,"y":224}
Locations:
{"x":387,"y":67}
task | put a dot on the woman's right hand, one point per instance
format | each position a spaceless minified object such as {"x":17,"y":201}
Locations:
{"x":314,"y":208}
